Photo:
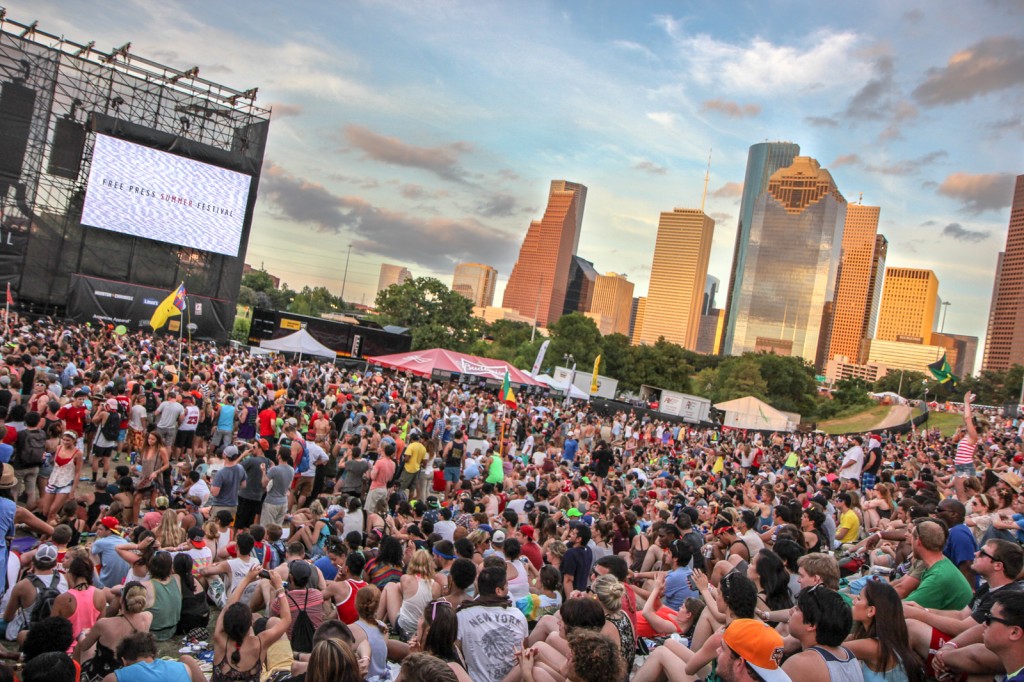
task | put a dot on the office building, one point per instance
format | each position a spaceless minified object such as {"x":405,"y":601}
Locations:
{"x":841,"y":367}
{"x":391,"y":275}
{"x":763,"y":160}
{"x":491,"y":314}
{"x":475,"y":282}
{"x":580,"y":290}
{"x":960,"y":351}
{"x":709,"y":334}
{"x":540,"y":276}
{"x":1004,"y":342}
{"x":638,"y":320}
{"x":909,"y":302}
{"x":613,"y":300}
{"x":851,"y":314}
{"x":711,"y":285}
{"x":678,"y":276}
{"x":786,"y":282}
{"x":906,"y":355}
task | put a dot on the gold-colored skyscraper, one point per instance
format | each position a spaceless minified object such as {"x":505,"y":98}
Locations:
{"x":678,"y":272}
{"x":476,"y":282}
{"x":852,"y":312}
{"x":909,"y":300}
{"x":613,"y":298}
{"x":638,"y":320}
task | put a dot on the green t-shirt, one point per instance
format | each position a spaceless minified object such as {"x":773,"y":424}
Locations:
{"x":943,"y":587}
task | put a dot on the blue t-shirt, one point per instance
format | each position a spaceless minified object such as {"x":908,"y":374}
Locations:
{"x":226,"y":418}
{"x":5,"y":452}
{"x":113,"y":568}
{"x":569,"y":450}
{"x":677,"y":588}
{"x":157,"y":671}
{"x":960,"y":546}
{"x":326,"y":567}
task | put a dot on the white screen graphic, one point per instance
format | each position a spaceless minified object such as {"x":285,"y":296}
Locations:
{"x":147,"y":193}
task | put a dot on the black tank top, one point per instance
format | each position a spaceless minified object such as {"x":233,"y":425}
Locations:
{"x":454,"y":458}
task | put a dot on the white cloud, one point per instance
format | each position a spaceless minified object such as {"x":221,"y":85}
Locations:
{"x":760,"y":66}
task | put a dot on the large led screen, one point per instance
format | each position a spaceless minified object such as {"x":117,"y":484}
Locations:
{"x":143,"y":192}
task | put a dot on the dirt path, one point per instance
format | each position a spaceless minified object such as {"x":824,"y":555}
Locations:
{"x":898,"y":414}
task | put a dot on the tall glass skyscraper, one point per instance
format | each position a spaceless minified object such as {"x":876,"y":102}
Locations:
{"x":786,"y":282}
{"x":763,"y":159}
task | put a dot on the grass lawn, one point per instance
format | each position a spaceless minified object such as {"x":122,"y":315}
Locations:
{"x":861,"y":421}
{"x":945,"y":422}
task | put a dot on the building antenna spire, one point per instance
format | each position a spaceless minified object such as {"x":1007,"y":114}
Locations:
{"x":860,"y":199}
{"x":707,"y":176}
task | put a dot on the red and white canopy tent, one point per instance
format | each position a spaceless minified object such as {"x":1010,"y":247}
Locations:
{"x":425,"y":362}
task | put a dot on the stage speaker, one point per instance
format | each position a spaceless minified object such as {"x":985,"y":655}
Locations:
{"x":68,"y":147}
{"x":17,"y":102}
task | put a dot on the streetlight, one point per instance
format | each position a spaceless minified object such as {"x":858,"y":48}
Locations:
{"x":924,"y":382}
{"x":945,"y":307}
{"x":567,"y":358}
{"x":344,"y":278}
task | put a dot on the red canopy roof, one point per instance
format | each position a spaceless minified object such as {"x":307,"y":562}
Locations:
{"x":424,"y":362}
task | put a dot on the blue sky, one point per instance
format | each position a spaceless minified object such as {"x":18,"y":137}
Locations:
{"x":426,"y":133}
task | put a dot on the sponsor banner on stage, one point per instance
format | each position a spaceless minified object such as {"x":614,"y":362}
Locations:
{"x":101,"y":301}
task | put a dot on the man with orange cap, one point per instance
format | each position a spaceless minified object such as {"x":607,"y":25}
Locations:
{"x":751,"y":651}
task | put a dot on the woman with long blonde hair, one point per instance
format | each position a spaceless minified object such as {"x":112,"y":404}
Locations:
{"x":402,"y":603}
{"x":879,"y":507}
{"x":169,"y":533}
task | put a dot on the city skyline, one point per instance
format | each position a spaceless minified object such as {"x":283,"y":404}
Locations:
{"x":427,"y":137}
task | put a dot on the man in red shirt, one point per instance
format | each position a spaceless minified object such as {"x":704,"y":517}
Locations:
{"x":531,"y":550}
{"x":74,"y":415}
{"x":268,"y":422}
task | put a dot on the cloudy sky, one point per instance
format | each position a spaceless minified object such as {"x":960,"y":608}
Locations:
{"x":426,"y":133}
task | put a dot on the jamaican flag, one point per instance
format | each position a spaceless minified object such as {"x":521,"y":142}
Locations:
{"x":942,"y":372}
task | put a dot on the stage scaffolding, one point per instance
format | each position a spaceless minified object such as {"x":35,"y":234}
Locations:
{"x":70,"y":91}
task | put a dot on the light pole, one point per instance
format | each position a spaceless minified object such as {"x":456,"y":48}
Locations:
{"x":899,"y":390}
{"x":344,"y":278}
{"x":567,"y":358}
{"x":945,"y":307}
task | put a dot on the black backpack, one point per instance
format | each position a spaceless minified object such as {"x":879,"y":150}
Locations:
{"x":302,"y":628}
{"x":151,"y":402}
{"x":31,"y":447}
{"x":45,"y":596}
{"x":111,"y":428}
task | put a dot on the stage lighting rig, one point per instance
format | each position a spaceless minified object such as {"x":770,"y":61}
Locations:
{"x":119,"y":52}
{"x":85,"y":50}
{"x":30,"y":29}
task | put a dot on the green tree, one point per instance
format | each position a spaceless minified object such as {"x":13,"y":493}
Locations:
{"x":240,"y":331}
{"x":258,"y":280}
{"x":437,"y":316}
{"x":907,"y":384}
{"x":663,"y":365}
{"x":616,"y":354}
{"x":851,"y":392}
{"x":705,"y":382}
{"x":739,"y":377}
{"x":790,"y":381}
{"x":246,"y":296}
{"x":314,"y":302}
{"x":578,"y":335}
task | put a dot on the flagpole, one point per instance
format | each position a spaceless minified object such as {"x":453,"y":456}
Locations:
{"x":7,"y":311}
{"x":501,"y":438}
{"x":181,"y":334}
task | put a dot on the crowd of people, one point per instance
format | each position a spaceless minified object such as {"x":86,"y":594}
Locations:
{"x":241,"y":518}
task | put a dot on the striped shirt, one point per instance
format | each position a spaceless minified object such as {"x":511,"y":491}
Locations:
{"x":965,"y":451}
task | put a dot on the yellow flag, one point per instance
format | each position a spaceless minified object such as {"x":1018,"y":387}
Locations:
{"x":593,"y":381}
{"x":171,"y":306}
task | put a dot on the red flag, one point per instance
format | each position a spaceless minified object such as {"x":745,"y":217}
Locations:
{"x":10,"y":299}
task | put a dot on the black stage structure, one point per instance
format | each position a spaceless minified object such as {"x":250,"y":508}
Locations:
{"x":56,"y":96}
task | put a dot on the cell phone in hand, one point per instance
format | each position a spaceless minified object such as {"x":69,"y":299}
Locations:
{"x":265,"y":574}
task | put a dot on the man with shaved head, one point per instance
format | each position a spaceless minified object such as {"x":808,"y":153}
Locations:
{"x":960,"y":546}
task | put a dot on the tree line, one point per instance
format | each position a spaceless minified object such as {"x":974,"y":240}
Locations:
{"x":440,"y":318}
